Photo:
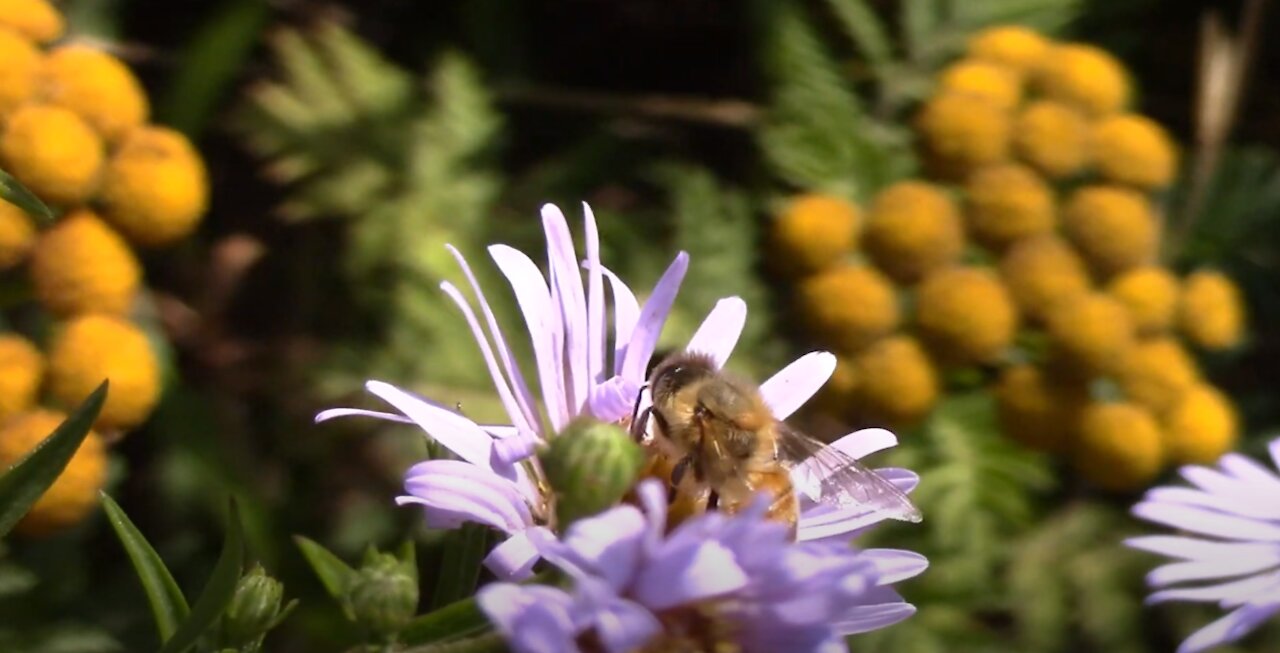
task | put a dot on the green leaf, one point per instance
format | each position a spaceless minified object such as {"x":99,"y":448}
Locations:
{"x":866,"y":30}
{"x":457,"y":619}
{"x":168,"y":605}
{"x":334,"y":574}
{"x":217,"y":591}
{"x":27,"y":480}
{"x":464,"y":550}
{"x":16,"y":194}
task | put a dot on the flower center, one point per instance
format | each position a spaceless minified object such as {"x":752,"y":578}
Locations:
{"x":693,"y":629}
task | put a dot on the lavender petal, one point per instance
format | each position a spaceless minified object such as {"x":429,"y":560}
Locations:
{"x":720,"y":331}
{"x":652,"y":317}
{"x":326,"y":415}
{"x":1233,"y":626}
{"x":595,"y":298}
{"x":1207,"y":522}
{"x":796,"y":383}
{"x":543,"y":321}
{"x":455,"y":432}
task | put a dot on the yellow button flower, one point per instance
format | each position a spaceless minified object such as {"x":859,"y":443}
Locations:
{"x":1042,"y":271}
{"x":91,"y":348}
{"x":839,"y":393}
{"x":156,"y":188}
{"x":1119,"y":446}
{"x":82,"y":266}
{"x":1114,"y":227}
{"x":1007,"y":202}
{"x":961,"y":132}
{"x":1211,"y":313}
{"x":991,"y":82}
{"x":896,"y":383}
{"x":1085,"y":77}
{"x":1037,"y":411}
{"x":912,"y":229}
{"x":52,"y":152}
{"x":37,"y":20}
{"x":1134,"y":150}
{"x":17,"y":235}
{"x":18,"y":74}
{"x":1201,"y":427}
{"x":965,"y":314}
{"x":814,"y":232}
{"x":1156,"y":373}
{"x":1151,"y":295}
{"x":1014,"y":46}
{"x":1053,"y":137}
{"x":850,"y":305}
{"x":21,"y":371}
{"x":1091,"y":331}
{"x":75,"y":492}
{"x":97,"y":86}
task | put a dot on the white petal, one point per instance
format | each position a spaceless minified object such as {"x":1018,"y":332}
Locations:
{"x":326,"y":415}
{"x":720,"y":331}
{"x":1177,"y":572}
{"x":455,"y":432}
{"x":1207,"y":522}
{"x":543,"y":320}
{"x":566,"y":284}
{"x":595,"y":298}
{"x":797,"y":383}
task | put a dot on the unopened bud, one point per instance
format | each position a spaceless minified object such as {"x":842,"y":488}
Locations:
{"x":383,"y":595}
{"x":590,"y":465}
{"x":253,"y":610}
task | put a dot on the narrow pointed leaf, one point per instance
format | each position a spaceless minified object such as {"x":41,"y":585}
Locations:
{"x":168,"y":605}
{"x":217,"y":591}
{"x":464,"y":551}
{"x":26,"y":481}
{"x":457,"y":619}
{"x":16,"y":194}
{"x":334,"y":574}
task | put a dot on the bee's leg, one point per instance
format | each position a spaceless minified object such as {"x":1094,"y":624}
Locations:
{"x":785,"y":508}
{"x":639,"y":421}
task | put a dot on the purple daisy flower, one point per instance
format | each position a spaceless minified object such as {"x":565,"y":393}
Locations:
{"x":715,"y":578}
{"x":582,"y":371}
{"x":1232,"y":520}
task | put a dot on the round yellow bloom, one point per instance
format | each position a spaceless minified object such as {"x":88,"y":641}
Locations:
{"x":75,"y":492}
{"x":912,"y":229}
{"x":991,"y":82}
{"x":1007,"y":202}
{"x":52,"y":152}
{"x":1035,"y":410}
{"x":850,"y":305}
{"x":1134,"y":150}
{"x":1014,"y":46}
{"x":1092,"y":330}
{"x":814,"y":232}
{"x":17,"y":235}
{"x":1156,"y":373}
{"x":1211,"y":313}
{"x":91,"y":348}
{"x":18,"y":74}
{"x":95,"y":85}
{"x":961,"y":132}
{"x":896,"y":383}
{"x":1201,"y":427}
{"x":1053,"y":137}
{"x":156,"y":188}
{"x":839,"y":393}
{"x":82,"y":266}
{"x":37,"y":20}
{"x":1119,"y":446}
{"x":1085,"y":77}
{"x":1150,"y":294}
{"x":21,"y":371}
{"x":1113,"y":227}
{"x":966,"y":314}
{"x":1042,"y":271}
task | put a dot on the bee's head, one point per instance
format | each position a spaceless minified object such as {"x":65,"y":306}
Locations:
{"x":677,"y":372}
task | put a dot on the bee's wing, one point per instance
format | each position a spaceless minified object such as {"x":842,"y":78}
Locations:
{"x":828,"y":475}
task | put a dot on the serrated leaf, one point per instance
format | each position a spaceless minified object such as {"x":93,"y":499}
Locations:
{"x":334,"y":574}
{"x":464,"y":549}
{"x":16,"y":194}
{"x":168,"y":605}
{"x":866,"y":30}
{"x":29,"y":478}
{"x":218,"y":590}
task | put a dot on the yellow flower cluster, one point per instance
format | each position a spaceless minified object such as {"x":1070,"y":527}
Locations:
{"x":74,"y":130}
{"x":1030,"y":253}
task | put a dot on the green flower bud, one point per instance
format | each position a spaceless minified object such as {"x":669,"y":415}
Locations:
{"x":253,"y":610}
{"x":590,"y":466}
{"x":383,"y":595}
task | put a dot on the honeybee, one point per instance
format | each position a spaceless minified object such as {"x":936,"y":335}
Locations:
{"x":727,"y":446}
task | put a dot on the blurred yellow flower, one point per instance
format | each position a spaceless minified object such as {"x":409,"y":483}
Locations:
{"x":1007,"y":202}
{"x":839,"y":393}
{"x":91,"y":348}
{"x":1119,"y":446}
{"x":1085,"y":77}
{"x":155,"y":190}
{"x":1113,"y":227}
{"x":75,"y":492}
{"x":1151,"y":295}
{"x":850,"y":305}
{"x":1201,"y":427}
{"x":1211,"y":313}
{"x":1053,"y":137}
{"x":961,"y":132}
{"x":913,"y":228}
{"x":37,"y":20}
{"x":895,"y":382}
{"x":95,"y":85}
{"x":81,"y":266}
{"x":1156,"y":373}
{"x":814,"y":232}
{"x":18,"y":74}
{"x":53,"y":152}
{"x":1134,"y":150}
{"x":21,"y":372}
{"x":965,"y":314}
{"x":17,"y":235}
{"x":981,"y":79}
{"x":1036,"y":411}
{"x":1017,"y":47}
{"x":1042,"y":271}
{"x":1091,"y":330}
